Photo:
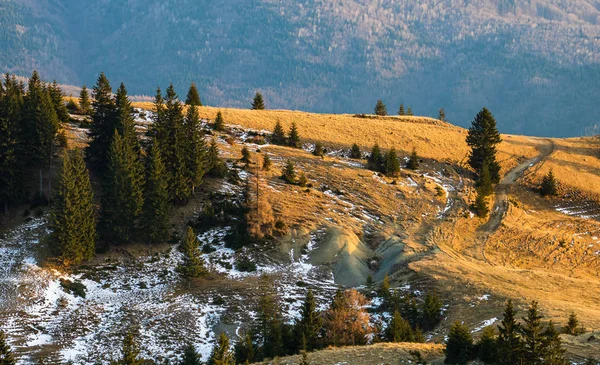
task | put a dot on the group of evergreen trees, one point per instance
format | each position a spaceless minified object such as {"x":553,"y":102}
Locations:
{"x":292,"y":139}
{"x":483,"y":136}
{"x":389,"y":163}
{"x":381,"y":109}
{"x":29,"y":123}
{"x":526,"y":342}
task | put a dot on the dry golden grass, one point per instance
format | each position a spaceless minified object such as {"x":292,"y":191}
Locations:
{"x":381,"y":353}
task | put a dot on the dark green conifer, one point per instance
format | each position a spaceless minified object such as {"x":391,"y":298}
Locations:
{"x":459,"y":345}
{"x":266,"y":162}
{"x":401,"y":110}
{"x":409,"y":111}
{"x":270,"y":321}
{"x":245,"y":155}
{"x":195,"y":148}
{"x":380,"y":108}
{"x":124,"y":121}
{"x":532,"y":333}
{"x":193,"y":97}
{"x":573,"y":327}
{"x":73,"y":215}
{"x":85,"y":104}
{"x":57,"y":97}
{"x":289,"y":172}
{"x":553,"y":352}
{"x":215,"y":165}
{"x":278,"y":136}
{"x":219,"y":123}
{"x":487,"y":346}
{"x":481,"y":205}
{"x":392,"y":164}
{"x":154,"y":221}
{"x":431,"y":311}
{"x":258,"y":102}
{"x":484,"y":182}
{"x":548,"y":186}
{"x":308,"y":327}
{"x":221,"y":354}
{"x":413,"y":161}
{"x":318,"y":150}
{"x":244,"y":350}
{"x":509,"y":338}
{"x":193,"y":265}
{"x":483,"y":137}
{"x":355,"y":152}
{"x":6,"y":356}
{"x":294,"y":137}
{"x":376,"y":159}
{"x":190,"y":356}
{"x":399,"y":329}
{"x":442,"y":115}
{"x":103,"y":126}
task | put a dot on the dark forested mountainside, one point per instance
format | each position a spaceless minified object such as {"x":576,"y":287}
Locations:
{"x":536,"y":63}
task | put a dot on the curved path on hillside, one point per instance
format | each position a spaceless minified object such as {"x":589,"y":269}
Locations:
{"x":501,"y":202}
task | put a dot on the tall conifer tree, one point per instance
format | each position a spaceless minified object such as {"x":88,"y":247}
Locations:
{"x":193,"y":97}
{"x":196,"y":150}
{"x":380,"y":108}
{"x":392,"y":164}
{"x":376,"y":159}
{"x":84,"y":101}
{"x":219,"y":124}
{"x":221,"y":354}
{"x":510,"y":347}
{"x":193,"y":265}
{"x":294,"y":137}
{"x":258,"y":103}
{"x":103,"y":122}
{"x":278,"y":136}
{"x":308,"y":327}
{"x":483,"y":137}
{"x":57,"y":96}
{"x":155,"y":214}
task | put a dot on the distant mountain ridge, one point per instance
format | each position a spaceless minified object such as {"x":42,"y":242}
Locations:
{"x":535,"y":63}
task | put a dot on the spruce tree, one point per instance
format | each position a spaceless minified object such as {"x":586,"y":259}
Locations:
{"x":193,"y":97}
{"x":553,"y":352}
{"x":215,"y":166}
{"x":392,"y":164}
{"x":6,"y":356}
{"x":190,"y":356}
{"x":57,"y":97}
{"x":244,"y":350}
{"x":409,"y":111}
{"x":442,"y":115}
{"x":195,"y":148}
{"x":289,"y":172}
{"x":573,"y":327}
{"x":355,"y":152}
{"x":245,"y":155}
{"x":380,"y":108}
{"x":401,"y":110}
{"x":481,"y":205}
{"x":548,"y":186}
{"x":376,"y":159}
{"x":131,"y":350}
{"x":221,"y":354}
{"x":124,"y":121}
{"x":192,"y":265}
{"x":154,"y":222}
{"x":294,"y":137}
{"x":123,"y":196}
{"x":399,"y":329}
{"x":103,"y":126}
{"x":487,"y":346}
{"x":219,"y":124}
{"x":483,"y":137}
{"x":459,"y":345}
{"x":270,"y":321}
{"x":278,"y":136}
{"x":308,"y":327}
{"x":258,"y":102}
{"x":484,"y":182}
{"x":73,"y":215}
{"x":266,"y":166}
{"x":318,"y":150}
{"x":159,"y":127}
{"x":85,"y":104}
{"x":533,"y":339}
{"x":413,"y":161}
{"x":509,"y":338}
{"x":431,"y":311}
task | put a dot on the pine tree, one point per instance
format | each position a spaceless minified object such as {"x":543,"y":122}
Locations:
{"x":533,"y":339}
{"x":266,"y":162}
{"x":57,"y":97}
{"x":399,"y":329}
{"x":131,"y":350}
{"x":219,"y":124}
{"x":484,"y":182}
{"x":258,"y":102}
{"x":216,"y":167}
{"x":159,"y":127}
{"x":409,"y":111}
{"x":244,"y":350}
{"x":380,"y":108}
{"x":392,"y":164}
{"x":190,"y":356}
{"x":289,"y":172}
{"x":413,"y":161}
{"x":573,"y":327}
{"x":384,"y":290}
{"x":193,"y":98}
{"x":73,"y":216}
{"x":487,"y":346}
{"x":221,"y":354}
{"x":278,"y":136}
{"x":355,"y":152}
{"x":294,"y":137}
{"x":318,"y":150}
{"x":459,"y":345}
{"x":193,"y":265}
{"x":376,"y":159}
{"x":124,"y":121}
{"x":431,"y":311}
{"x":103,"y":122}
{"x":195,"y":149}
{"x":483,"y":137}
{"x":509,"y":338}
{"x":308,"y":327}
{"x":269,"y":321}
{"x":123,"y":196}
{"x":481,"y":205}
{"x":6,"y":356}
{"x":548,"y":186}
{"x":85,"y":104}
{"x":401,"y":110}
{"x":553,"y":353}
{"x":442,"y":115}
{"x":245,"y":155}
{"x":154,"y":221}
